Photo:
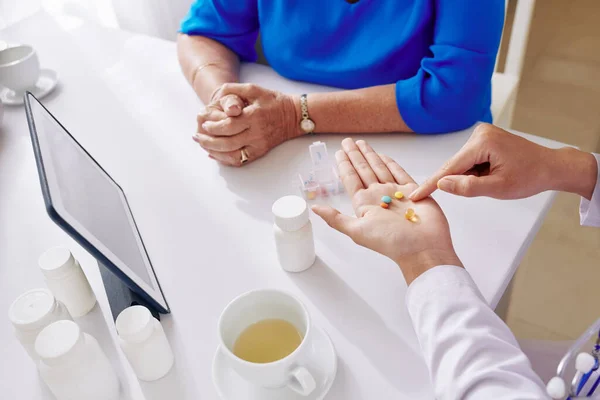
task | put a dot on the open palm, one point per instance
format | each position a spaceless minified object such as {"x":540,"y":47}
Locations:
{"x":367,"y":176}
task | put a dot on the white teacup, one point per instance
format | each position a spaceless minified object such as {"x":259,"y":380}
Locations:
{"x":19,"y":68}
{"x":252,"y":307}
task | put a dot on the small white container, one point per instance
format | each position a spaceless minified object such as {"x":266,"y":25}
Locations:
{"x":144,"y":343}
{"x":73,"y":365}
{"x":66,"y":280}
{"x":293,"y":234}
{"x":33,"y":311}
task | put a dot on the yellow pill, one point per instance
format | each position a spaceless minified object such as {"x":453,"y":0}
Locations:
{"x":409,"y":214}
{"x":398,"y":195}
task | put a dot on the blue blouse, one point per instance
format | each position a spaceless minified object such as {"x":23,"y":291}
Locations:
{"x":440,"y":53}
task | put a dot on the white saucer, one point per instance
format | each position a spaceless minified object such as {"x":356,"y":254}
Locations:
{"x":231,"y":386}
{"x":45,"y":84}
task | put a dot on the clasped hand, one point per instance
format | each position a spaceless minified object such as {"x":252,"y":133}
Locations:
{"x":245,"y":116}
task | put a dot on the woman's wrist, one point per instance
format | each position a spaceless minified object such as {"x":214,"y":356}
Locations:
{"x":574,"y":171}
{"x":295,"y":117}
{"x":208,"y":83}
{"x":412,"y":266}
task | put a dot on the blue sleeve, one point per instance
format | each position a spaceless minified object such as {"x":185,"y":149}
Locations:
{"x":234,"y":23}
{"x":452,"y":89}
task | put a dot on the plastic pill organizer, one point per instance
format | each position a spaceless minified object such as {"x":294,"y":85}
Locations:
{"x":322,"y":178}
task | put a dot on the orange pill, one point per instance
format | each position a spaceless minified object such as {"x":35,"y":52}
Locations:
{"x":384,"y":205}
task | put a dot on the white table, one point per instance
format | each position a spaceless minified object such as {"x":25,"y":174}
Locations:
{"x":208,"y":228}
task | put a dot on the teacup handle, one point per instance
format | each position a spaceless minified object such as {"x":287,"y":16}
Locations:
{"x":301,"y":381}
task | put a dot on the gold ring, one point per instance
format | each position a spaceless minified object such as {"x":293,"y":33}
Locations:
{"x":244,"y":155}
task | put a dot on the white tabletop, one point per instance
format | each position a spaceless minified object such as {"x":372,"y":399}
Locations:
{"x":208,"y":229}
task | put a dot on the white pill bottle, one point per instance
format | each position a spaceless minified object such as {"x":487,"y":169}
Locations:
{"x":73,"y":364}
{"x":66,"y":281}
{"x":31,"y":312}
{"x":293,"y":234}
{"x":143,"y":340}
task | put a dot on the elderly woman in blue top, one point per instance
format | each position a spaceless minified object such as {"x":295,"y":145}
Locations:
{"x":420,"y":66}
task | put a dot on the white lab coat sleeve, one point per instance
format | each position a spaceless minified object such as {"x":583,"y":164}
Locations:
{"x":469,"y":351}
{"x":589,"y":210}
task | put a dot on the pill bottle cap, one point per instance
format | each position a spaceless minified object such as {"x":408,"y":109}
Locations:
{"x":57,"y":262}
{"x":135,"y":324}
{"x":59,"y":342}
{"x":32,"y":310}
{"x":291,"y":213}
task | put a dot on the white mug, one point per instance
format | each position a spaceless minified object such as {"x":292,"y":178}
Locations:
{"x":19,"y":68}
{"x":252,"y":307}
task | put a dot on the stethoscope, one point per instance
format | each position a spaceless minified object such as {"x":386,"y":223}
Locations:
{"x":586,"y":380}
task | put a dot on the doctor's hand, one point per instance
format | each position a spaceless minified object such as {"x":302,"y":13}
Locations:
{"x":415,"y":246}
{"x":496,"y":163}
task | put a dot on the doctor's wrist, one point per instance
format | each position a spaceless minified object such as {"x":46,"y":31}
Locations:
{"x":575,"y":172}
{"x":413,"y":265}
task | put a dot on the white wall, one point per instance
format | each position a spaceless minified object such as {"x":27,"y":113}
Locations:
{"x":100,"y":11}
{"x":159,"y":18}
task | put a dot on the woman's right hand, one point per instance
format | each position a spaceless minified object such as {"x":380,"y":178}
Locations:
{"x":231,"y":104}
{"x":415,"y":246}
{"x":268,"y":119}
{"x":499,"y":164}
{"x":220,"y":108}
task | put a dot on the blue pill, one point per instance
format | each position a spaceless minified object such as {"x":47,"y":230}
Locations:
{"x":386,"y":199}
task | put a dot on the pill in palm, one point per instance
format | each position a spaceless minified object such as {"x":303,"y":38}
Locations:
{"x":410,"y":214}
{"x":398,"y":195}
{"x":386,"y":199}
{"x":384,"y":205}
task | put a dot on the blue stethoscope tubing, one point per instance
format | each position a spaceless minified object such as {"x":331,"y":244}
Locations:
{"x":592,"y":331}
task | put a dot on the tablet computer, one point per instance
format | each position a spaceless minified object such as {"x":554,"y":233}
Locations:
{"x":83,"y":199}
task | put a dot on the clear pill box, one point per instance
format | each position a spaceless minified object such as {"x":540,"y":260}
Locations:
{"x":322,"y":178}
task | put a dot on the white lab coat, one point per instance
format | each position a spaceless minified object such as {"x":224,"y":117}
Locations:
{"x":469,"y":350}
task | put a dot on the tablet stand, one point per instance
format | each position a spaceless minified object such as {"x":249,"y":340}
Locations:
{"x":119,"y":295}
